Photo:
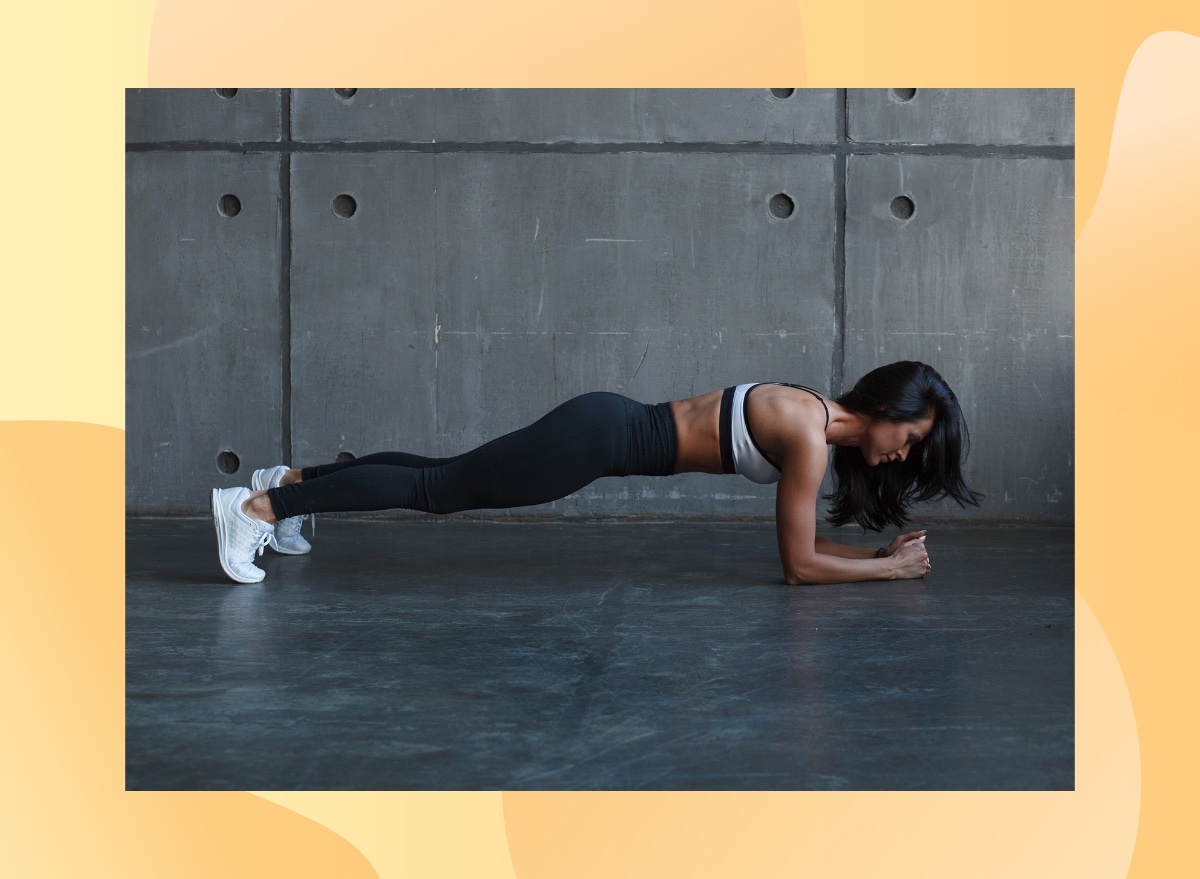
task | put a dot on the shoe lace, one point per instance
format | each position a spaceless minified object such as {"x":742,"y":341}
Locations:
{"x":249,"y":542}
{"x":261,"y":543}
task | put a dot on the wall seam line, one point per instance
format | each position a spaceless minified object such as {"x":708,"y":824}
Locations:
{"x":285,"y":278}
{"x":842,"y":147}
{"x":838,"y":369}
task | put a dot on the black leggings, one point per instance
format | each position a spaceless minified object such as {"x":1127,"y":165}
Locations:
{"x":593,"y":435}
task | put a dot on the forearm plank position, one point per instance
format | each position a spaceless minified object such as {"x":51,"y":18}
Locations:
{"x":898,"y":436}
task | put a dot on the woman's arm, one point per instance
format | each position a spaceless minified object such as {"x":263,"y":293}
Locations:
{"x":830,"y":547}
{"x":803,"y":562}
{"x":805,"y":559}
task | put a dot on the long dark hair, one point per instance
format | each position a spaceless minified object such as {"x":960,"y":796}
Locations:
{"x":878,"y":496}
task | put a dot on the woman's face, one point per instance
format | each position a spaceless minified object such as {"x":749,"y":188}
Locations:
{"x":887,"y":441}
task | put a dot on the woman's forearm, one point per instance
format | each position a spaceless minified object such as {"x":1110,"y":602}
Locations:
{"x":841,"y":550}
{"x":821,"y":568}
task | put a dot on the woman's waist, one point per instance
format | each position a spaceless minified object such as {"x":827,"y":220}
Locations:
{"x":697,"y":430}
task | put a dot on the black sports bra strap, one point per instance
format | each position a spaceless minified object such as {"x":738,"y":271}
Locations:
{"x":814,"y":393}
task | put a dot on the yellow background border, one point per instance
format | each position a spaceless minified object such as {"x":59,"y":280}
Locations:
{"x":61,"y":354}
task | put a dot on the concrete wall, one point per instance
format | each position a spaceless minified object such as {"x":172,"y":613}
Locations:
{"x":424,"y":270}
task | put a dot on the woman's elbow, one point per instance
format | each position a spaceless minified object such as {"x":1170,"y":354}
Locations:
{"x":798,"y":576}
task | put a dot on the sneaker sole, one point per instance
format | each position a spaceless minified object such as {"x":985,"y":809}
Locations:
{"x":274,"y":544}
{"x":219,"y":525}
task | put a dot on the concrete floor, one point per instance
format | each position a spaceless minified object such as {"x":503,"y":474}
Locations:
{"x":482,"y":655}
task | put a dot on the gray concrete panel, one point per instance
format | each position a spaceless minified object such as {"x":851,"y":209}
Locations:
{"x":565,"y":115}
{"x":474,"y":290}
{"x":978,"y":283}
{"x":202,"y":325}
{"x":962,"y":116}
{"x":203,"y":115}
{"x":363,"y":322}
{"x":655,"y":276}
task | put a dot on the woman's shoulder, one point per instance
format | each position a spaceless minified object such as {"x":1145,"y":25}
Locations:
{"x":791,"y":396}
{"x":785,"y":418}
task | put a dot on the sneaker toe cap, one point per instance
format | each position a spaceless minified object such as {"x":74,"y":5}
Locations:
{"x":294,"y":545}
{"x":249,"y":573}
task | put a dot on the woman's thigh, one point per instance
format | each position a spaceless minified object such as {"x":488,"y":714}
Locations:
{"x":576,"y":443}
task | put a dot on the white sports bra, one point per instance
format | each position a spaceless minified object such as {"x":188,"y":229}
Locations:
{"x":739,"y":452}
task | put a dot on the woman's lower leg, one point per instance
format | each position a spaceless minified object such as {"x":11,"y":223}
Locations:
{"x":390,"y":459}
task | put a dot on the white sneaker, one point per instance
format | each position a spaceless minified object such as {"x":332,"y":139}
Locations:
{"x":286,"y":538}
{"x":239,"y":538}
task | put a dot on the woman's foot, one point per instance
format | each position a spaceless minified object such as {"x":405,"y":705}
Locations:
{"x":286,"y":538}
{"x":239,"y":536}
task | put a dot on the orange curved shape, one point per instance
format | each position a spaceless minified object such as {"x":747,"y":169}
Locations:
{"x":65,"y":811}
{"x":59,"y":633}
{"x":1137,"y":321}
{"x":624,"y":43}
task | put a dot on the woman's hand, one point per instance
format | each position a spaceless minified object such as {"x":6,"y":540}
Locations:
{"x":891,"y":548}
{"x":912,"y":560}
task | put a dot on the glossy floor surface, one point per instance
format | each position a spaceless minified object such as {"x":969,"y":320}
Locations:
{"x":469,"y":655}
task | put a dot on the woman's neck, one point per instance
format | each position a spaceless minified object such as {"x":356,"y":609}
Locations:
{"x":845,"y":428}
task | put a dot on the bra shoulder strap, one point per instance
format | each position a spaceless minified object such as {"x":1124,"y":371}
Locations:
{"x":814,"y":393}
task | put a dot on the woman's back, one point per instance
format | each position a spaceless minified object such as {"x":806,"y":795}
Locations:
{"x":774,"y":416}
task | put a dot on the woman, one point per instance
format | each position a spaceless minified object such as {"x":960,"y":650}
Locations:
{"x":899,"y":437}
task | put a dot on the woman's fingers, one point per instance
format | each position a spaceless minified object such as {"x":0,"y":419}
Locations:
{"x":915,"y":549}
{"x":915,"y":558}
{"x":918,"y":549}
{"x":903,"y":540}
